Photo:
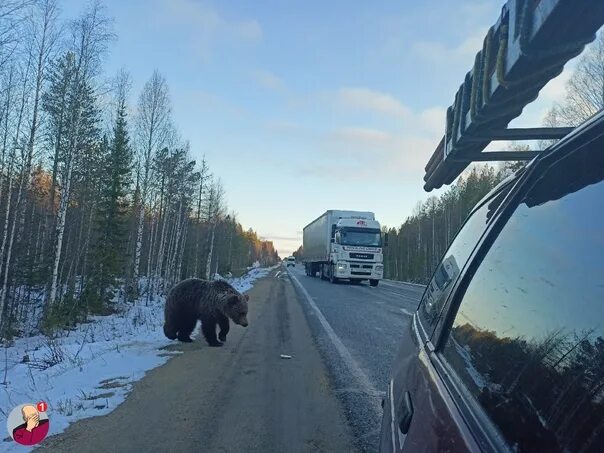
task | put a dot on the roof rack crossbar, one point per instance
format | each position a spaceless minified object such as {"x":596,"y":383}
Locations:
{"x":497,"y":156}
{"x":527,"y":47}
{"x":528,"y":133}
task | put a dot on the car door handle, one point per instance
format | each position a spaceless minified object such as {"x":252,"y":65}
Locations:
{"x":405,"y":413}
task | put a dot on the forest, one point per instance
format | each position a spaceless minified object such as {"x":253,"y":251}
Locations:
{"x":101,"y":201}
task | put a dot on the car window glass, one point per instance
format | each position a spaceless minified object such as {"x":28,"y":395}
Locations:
{"x":453,"y":261}
{"x":528,"y":338}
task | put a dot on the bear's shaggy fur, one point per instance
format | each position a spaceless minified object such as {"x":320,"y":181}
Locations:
{"x":210,"y":302}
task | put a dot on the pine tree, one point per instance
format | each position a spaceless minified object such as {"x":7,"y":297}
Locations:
{"x":112,"y":215}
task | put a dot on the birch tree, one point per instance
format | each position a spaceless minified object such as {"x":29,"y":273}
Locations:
{"x":214,"y":211}
{"x":585,"y":88}
{"x":42,"y":37}
{"x":90,"y":36}
{"x":15,"y":147}
{"x":204,"y":177}
{"x":152,"y":128}
{"x":11,"y":17}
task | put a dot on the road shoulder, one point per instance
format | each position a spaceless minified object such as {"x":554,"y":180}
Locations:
{"x":243,"y":396}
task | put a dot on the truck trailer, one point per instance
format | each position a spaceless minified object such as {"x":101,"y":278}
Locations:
{"x":344,"y":245}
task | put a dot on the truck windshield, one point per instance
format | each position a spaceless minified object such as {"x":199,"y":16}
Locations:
{"x":361,"y":237}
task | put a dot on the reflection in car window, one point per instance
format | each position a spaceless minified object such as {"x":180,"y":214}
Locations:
{"x":458,"y":253}
{"x":528,"y":340}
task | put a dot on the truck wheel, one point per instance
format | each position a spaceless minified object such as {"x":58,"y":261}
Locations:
{"x":373,"y":282}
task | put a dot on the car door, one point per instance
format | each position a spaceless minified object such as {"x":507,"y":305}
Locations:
{"x":417,"y":412}
{"x":520,"y":346}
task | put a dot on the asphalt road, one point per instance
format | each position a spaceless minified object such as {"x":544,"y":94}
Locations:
{"x":244,"y":397}
{"x":358,"y":330}
{"x":241,"y":397}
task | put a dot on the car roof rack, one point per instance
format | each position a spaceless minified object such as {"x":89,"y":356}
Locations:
{"x":527,"y":47}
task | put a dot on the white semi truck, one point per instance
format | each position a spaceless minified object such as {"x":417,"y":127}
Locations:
{"x":344,"y":245}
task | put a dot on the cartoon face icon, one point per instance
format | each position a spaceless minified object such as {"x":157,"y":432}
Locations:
{"x":28,"y":423}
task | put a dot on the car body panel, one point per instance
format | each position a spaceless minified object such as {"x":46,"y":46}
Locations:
{"x":445,"y":418}
{"x":435,"y":424}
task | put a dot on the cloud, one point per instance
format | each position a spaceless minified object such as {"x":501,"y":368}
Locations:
{"x":477,"y":12}
{"x":203,"y":26}
{"x":283,"y":126}
{"x":371,"y":100}
{"x":210,"y":101}
{"x":362,"y":135}
{"x":371,"y":145}
{"x":366,"y":152}
{"x":268,"y":80}
{"x":555,"y":90}
{"x":432,"y":120}
{"x":390,"y":149}
{"x":439,"y":53}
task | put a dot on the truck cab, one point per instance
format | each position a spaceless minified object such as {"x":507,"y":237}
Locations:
{"x":356,"y":250}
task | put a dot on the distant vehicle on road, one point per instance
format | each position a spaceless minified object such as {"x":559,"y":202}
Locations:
{"x":506,"y":349}
{"x":344,"y":245}
{"x":290,"y":261}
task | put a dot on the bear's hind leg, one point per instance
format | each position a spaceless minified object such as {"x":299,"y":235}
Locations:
{"x":186,"y":329}
{"x":223,"y":322}
{"x":208,"y":327}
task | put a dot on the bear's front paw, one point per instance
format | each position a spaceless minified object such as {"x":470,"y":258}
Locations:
{"x":215,"y":345}
{"x":185,"y":339}
{"x":222,"y":337}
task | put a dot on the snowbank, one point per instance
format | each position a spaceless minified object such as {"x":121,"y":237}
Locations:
{"x":90,"y":370}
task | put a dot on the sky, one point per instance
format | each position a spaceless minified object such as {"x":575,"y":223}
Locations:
{"x":304,"y":106}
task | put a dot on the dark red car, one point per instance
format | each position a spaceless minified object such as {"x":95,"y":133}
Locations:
{"x":506,"y":350}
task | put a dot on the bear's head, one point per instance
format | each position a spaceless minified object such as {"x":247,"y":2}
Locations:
{"x":236,"y":308}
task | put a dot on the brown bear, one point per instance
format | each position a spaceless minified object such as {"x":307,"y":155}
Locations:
{"x":210,"y":302}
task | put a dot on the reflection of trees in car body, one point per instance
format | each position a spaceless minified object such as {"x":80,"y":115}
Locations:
{"x":528,"y":339}
{"x":571,"y":363}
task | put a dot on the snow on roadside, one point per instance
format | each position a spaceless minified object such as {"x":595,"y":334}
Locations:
{"x":93,"y":366}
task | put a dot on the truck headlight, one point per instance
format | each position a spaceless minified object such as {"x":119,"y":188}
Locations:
{"x":379,"y":268}
{"x":342,"y":266}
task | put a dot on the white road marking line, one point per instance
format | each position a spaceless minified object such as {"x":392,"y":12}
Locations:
{"x":407,"y":312}
{"x":399,"y":284}
{"x":354,"y":368}
{"x":402,"y":296}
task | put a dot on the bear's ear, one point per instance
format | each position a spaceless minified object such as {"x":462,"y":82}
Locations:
{"x":246,"y":297}
{"x":233,"y":300}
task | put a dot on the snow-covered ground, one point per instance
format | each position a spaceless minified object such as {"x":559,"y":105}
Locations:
{"x":88,"y":371}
